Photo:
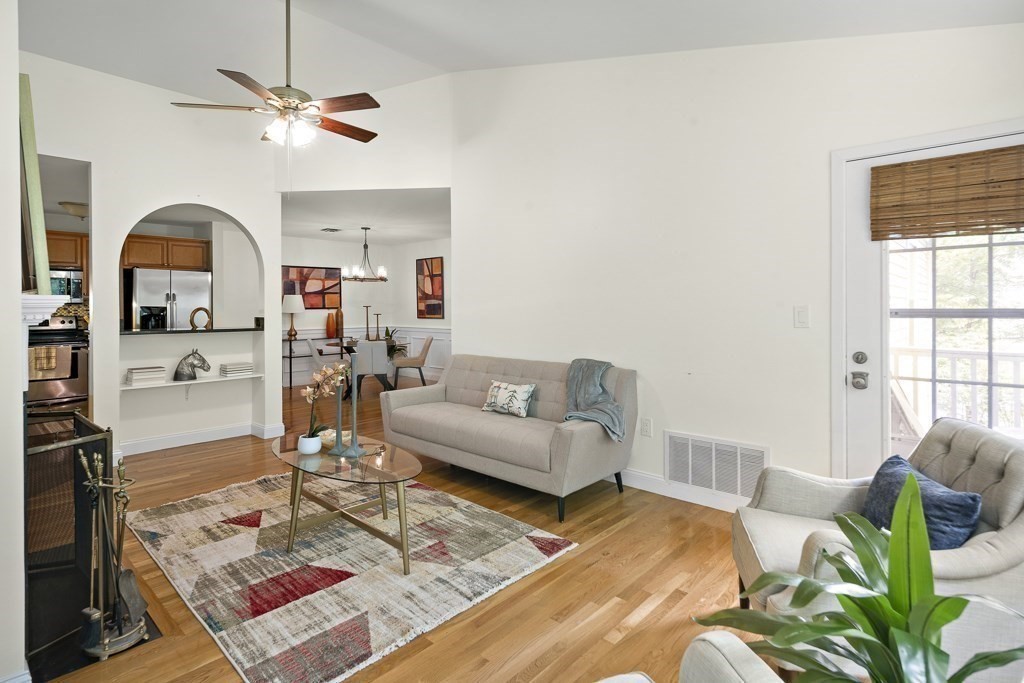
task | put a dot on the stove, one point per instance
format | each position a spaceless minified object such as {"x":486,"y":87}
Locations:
{"x":58,"y":365}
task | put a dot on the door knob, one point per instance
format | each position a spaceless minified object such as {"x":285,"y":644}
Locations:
{"x":859,"y":379}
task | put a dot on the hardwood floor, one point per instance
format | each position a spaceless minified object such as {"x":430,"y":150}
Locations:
{"x":622,"y":601}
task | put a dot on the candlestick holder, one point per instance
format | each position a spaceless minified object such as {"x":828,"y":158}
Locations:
{"x":354,"y":450}
{"x":377,"y":316}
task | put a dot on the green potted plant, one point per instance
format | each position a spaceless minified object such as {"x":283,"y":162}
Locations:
{"x":891,"y":619}
{"x":394,"y":350}
{"x":325,"y":381}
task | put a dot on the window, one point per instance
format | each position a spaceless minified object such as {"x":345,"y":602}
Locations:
{"x":956,"y":332}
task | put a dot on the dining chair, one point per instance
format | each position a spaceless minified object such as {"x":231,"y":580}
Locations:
{"x":372,"y":359}
{"x":417,"y":361}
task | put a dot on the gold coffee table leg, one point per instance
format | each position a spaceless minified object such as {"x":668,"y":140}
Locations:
{"x":384,"y":500}
{"x":400,"y":489}
{"x":296,"y":499}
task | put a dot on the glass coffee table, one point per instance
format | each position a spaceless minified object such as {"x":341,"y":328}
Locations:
{"x":383,"y":464}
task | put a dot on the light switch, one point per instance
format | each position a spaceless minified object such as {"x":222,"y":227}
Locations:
{"x":801,"y":316}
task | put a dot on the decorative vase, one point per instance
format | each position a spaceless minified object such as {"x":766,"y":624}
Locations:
{"x":340,"y":321}
{"x":332,"y":326}
{"x":308,"y":445}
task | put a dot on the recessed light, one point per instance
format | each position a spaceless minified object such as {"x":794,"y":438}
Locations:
{"x":330,"y":229}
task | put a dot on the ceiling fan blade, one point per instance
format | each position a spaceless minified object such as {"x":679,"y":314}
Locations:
{"x":224,"y":107}
{"x":348,"y":131}
{"x":249,"y":84}
{"x":331,"y":105}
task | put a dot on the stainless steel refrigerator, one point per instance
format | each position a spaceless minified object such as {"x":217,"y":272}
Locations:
{"x":156,"y":299}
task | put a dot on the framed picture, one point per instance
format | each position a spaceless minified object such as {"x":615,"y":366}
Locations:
{"x":430,"y":287}
{"x":320,"y":287}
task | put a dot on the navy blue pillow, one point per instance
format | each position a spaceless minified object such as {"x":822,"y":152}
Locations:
{"x":951,"y":516}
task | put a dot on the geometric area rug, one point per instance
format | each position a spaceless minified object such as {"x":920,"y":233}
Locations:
{"x":339,"y":602}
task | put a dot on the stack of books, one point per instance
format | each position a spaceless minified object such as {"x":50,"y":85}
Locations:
{"x":141,"y":377}
{"x":235,"y":369}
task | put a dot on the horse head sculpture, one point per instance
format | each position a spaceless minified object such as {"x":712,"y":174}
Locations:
{"x":186,"y":369}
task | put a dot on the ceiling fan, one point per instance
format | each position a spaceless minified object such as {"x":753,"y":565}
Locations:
{"x":296,"y":114}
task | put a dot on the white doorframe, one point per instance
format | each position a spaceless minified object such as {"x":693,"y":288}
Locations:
{"x":840,"y":159}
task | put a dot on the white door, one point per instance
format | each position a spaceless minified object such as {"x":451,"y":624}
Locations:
{"x":912,"y":339}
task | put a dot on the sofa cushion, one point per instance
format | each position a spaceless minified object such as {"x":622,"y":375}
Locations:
{"x":951,"y":516}
{"x":519,"y":441}
{"x":467,"y":380}
{"x":765,"y":541}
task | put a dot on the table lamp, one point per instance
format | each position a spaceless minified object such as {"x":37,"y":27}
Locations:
{"x":292,"y":304}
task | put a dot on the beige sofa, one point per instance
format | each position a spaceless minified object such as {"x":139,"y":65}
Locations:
{"x":539,"y":451}
{"x":789,"y":522}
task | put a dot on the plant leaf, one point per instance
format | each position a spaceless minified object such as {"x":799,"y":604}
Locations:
{"x":929,"y":616}
{"x":848,"y":568}
{"x":910,"y":561}
{"x":795,"y":634}
{"x":921,"y":661}
{"x":871,"y":548}
{"x":751,"y":621}
{"x":769,"y":579}
{"x":808,"y":589}
{"x":986,"y":660}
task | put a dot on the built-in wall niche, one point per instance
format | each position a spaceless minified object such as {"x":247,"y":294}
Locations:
{"x":189,"y":267}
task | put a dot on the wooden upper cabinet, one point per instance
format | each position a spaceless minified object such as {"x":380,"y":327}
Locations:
{"x":143,"y":251}
{"x":67,"y":249}
{"x":174,"y":253}
{"x":186,"y":254}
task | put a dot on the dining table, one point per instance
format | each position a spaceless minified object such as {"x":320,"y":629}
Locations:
{"x":349,"y":345}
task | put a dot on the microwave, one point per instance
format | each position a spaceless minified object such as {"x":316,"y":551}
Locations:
{"x":67,"y":283}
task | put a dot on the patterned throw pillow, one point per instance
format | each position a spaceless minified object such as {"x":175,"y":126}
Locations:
{"x":511,"y":399}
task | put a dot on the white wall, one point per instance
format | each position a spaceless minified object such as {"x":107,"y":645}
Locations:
{"x":12,"y":499}
{"x":159,"y":156}
{"x":672,"y":226}
{"x":237,"y":298}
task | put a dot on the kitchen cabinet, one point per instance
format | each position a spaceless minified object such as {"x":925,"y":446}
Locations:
{"x":69,"y":250}
{"x":174,"y":253}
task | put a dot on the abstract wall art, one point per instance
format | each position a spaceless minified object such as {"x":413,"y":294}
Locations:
{"x":319,"y":287}
{"x":430,"y":287}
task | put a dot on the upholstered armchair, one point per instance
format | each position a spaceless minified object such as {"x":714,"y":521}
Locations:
{"x":417,"y":362}
{"x":371,"y":359}
{"x":714,"y":657}
{"x":789,"y":522}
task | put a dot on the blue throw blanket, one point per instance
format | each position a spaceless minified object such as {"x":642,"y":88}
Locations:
{"x":589,"y":400}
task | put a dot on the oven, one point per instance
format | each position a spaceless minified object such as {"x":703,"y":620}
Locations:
{"x":58,"y":366}
{"x":69,"y":283}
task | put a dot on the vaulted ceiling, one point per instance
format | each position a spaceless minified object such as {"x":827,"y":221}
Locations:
{"x":354,"y":45}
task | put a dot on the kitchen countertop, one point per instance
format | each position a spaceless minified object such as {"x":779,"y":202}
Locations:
{"x":141,"y":333}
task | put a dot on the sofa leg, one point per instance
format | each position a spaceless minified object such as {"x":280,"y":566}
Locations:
{"x":618,"y":481}
{"x":744,"y":602}
{"x":561,"y":509}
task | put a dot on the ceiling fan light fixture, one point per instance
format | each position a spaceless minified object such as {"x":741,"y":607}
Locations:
{"x":77,"y":209}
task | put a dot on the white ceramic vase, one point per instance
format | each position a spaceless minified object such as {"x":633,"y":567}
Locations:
{"x":309,"y":445}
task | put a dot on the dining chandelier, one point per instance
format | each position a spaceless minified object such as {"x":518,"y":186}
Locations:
{"x":365,"y":272}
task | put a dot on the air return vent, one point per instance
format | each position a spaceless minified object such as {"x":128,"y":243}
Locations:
{"x":720,"y":467}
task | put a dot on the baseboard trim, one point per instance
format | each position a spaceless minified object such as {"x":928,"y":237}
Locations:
{"x":691,"y":494}
{"x":19,"y":677}
{"x":272,"y":431}
{"x":158,"y":443}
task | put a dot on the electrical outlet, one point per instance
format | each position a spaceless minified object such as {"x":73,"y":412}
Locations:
{"x":646,"y":427}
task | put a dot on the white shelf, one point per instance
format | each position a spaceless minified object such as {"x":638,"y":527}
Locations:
{"x":192,"y":383}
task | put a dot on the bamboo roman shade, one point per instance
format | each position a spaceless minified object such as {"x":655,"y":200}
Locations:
{"x":977,"y":193}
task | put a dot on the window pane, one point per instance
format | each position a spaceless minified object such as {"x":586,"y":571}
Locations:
{"x":962,"y":240}
{"x":1008,"y":350}
{"x":961,"y":278}
{"x":1009,"y":415}
{"x":910,"y":347}
{"x":1009,"y":237}
{"x":1008,"y":277}
{"x":961,"y":351}
{"x":963,"y":401}
{"x":910,"y":279}
{"x":920,"y":243}
{"x":911,"y":407}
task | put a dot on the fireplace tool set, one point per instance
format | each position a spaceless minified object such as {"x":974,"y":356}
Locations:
{"x":114,"y":620}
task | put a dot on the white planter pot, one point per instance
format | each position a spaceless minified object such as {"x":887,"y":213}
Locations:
{"x":309,"y":445}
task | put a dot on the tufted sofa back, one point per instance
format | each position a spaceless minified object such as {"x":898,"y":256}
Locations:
{"x":467,"y":379}
{"x":969,"y":457}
